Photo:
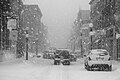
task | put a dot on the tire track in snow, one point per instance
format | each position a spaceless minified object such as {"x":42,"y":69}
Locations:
{"x":65,"y":73}
{"x":41,"y":74}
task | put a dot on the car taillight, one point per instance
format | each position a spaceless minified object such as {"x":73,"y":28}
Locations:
{"x":89,"y":59}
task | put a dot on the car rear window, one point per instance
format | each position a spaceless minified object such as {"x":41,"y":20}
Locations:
{"x":100,"y":53}
{"x":65,"y":54}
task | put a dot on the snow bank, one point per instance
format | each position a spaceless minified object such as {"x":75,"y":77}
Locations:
{"x":7,"y":55}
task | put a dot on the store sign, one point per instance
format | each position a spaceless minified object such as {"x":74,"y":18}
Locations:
{"x":117,"y":36}
{"x":92,"y":33}
{"x":11,"y":24}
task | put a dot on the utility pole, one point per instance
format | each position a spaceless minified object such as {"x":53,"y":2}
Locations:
{"x":36,"y":46}
{"x":1,"y":39}
{"x":81,"y":43}
{"x":0,"y":29}
{"x":114,"y":33}
{"x":91,"y":31}
{"x":26,"y":45}
{"x":26,"y":48}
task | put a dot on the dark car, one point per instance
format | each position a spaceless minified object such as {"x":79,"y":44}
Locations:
{"x":65,"y":57}
{"x":57,"y":59}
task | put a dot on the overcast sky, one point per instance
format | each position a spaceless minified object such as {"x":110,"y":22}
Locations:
{"x":59,"y":15}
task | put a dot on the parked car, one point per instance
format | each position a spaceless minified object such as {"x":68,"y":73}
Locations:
{"x":57,"y":59}
{"x":98,"y":59}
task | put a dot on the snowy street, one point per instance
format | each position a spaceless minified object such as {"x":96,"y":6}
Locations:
{"x":43,"y":69}
{"x":39,"y":39}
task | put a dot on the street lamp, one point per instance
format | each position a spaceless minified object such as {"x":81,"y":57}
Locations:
{"x":115,"y":37}
{"x":26,"y":39}
{"x":36,"y":42}
{"x":1,"y":29}
{"x":36,"y":46}
{"x":91,"y":26}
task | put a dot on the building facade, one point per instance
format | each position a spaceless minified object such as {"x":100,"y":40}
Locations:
{"x":80,"y":34}
{"x":9,"y":11}
{"x":37,"y":31}
{"x":105,"y":16}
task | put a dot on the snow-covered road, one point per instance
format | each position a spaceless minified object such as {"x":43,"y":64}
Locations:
{"x":41,"y":69}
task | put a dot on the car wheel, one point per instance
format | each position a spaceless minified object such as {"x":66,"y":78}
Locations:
{"x":68,"y":63}
{"x":85,"y":66}
{"x":88,"y":68}
{"x":110,"y":68}
{"x":55,"y":63}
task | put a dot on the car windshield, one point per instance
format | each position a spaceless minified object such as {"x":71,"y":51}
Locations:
{"x":99,"y":53}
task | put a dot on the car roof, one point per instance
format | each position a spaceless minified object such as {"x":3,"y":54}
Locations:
{"x":63,"y":49}
{"x":99,"y":50}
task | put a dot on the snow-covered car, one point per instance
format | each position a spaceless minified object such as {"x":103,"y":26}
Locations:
{"x":98,"y":59}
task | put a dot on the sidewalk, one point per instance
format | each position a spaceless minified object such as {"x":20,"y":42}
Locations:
{"x":7,"y":56}
{"x":13,"y":61}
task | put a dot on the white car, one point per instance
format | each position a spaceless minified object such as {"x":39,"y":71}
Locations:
{"x":98,"y":59}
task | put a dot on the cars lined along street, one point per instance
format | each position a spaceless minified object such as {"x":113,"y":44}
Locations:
{"x":98,"y":59}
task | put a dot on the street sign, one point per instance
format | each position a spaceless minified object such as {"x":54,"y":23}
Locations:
{"x":92,"y":33}
{"x":11,"y":24}
{"x":117,"y":36}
